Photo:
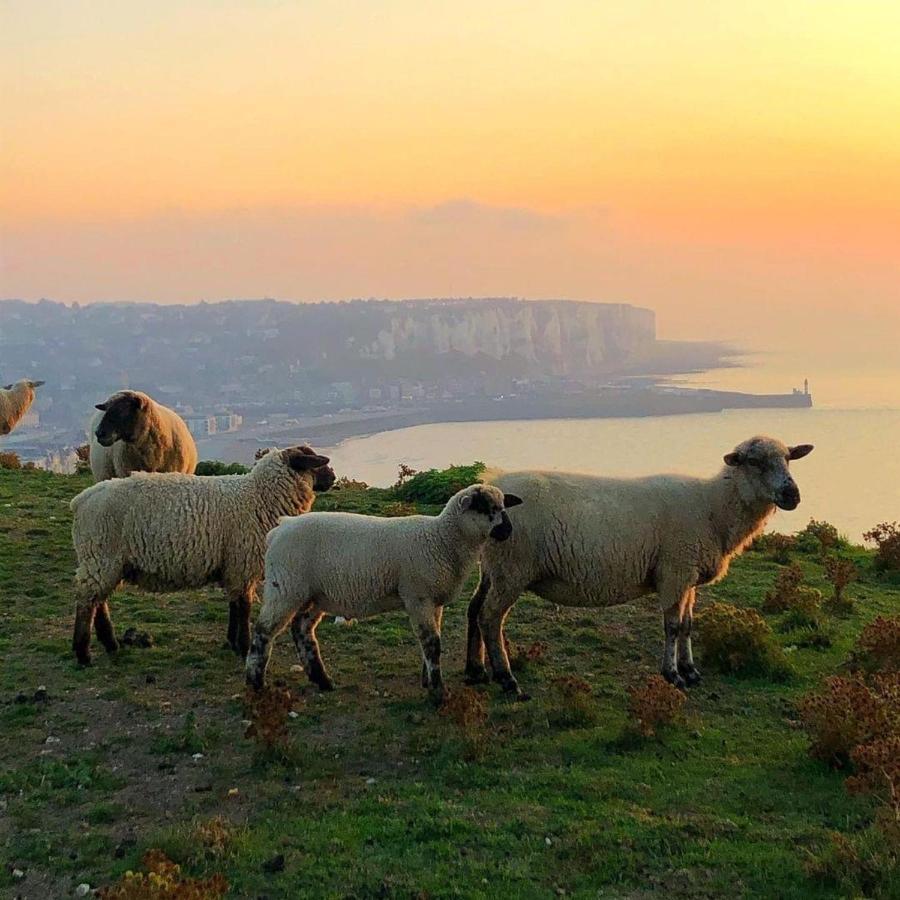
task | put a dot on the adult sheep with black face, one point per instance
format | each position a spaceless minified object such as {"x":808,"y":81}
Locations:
{"x":131,"y":432}
{"x":15,"y":401}
{"x":357,"y":566}
{"x":169,"y":532}
{"x":595,"y":542}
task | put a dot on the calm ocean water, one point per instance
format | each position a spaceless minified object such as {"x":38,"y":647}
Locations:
{"x":852,"y":479}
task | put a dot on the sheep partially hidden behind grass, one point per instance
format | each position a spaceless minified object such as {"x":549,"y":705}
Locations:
{"x":131,"y":432}
{"x":167,"y":532}
{"x":15,"y":400}
{"x":357,"y":566}
{"x":586,"y":541}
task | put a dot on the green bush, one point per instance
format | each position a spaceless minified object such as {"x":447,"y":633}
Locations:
{"x":217,"y":467}
{"x":436,"y":485}
{"x":738,"y":641}
{"x":820,"y":537}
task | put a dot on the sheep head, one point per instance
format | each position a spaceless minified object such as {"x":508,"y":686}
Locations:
{"x":483,"y":508}
{"x":305,"y":459}
{"x":123,"y":418}
{"x":763,"y":466}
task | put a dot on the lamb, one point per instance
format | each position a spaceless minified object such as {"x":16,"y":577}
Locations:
{"x":355,"y":566}
{"x":15,"y":400}
{"x":595,"y":542}
{"x":167,"y":532}
{"x":133,"y":433}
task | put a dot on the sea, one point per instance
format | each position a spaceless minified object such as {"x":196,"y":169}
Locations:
{"x":852,"y":479}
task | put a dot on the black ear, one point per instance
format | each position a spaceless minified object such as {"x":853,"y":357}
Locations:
{"x":800,"y":451}
{"x":734,"y":459}
{"x":7,"y":387}
{"x":303,"y":462}
{"x":102,"y":407}
{"x":510,"y":500}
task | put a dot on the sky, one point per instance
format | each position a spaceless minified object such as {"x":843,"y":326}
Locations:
{"x":735,"y":166}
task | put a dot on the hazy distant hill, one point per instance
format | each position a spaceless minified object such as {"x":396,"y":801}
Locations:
{"x":240,"y":352}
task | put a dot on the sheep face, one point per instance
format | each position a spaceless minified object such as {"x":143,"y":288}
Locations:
{"x":483,"y":509}
{"x":304,"y":459}
{"x":762,"y":464}
{"x":123,"y":418}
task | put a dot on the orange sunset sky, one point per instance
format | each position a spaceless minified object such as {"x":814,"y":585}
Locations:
{"x":735,"y":165}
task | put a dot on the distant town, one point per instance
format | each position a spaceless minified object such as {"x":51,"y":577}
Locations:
{"x":245,"y":374}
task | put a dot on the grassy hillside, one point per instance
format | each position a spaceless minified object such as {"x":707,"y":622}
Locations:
{"x":376,"y":794}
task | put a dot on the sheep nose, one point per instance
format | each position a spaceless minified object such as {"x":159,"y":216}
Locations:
{"x":790,"y":497}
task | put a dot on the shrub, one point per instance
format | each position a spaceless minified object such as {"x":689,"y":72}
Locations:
{"x":736,"y":640}
{"x":349,"y":484}
{"x":886,"y":538}
{"x":840,"y":572}
{"x":521,"y":659}
{"x":789,"y":593}
{"x":163,"y":879}
{"x":398,"y":508}
{"x":573,"y":704}
{"x":877,"y":766}
{"x":217,"y":467}
{"x":10,"y":460}
{"x":878,"y":646}
{"x":214,"y":835}
{"x":777,"y":546}
{"x":436,"y":486}
{"x":654,"y":703}
{"x":862,"y":865}
{"x":848,"y":713}
{"x":82,"y":459}
{"x":819,"y":537}
{"x":268,"y":711}
{"x":467,"y":709}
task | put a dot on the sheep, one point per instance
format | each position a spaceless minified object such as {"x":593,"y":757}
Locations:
{"x":354,"y":566}
{"x":133,"y":433}
{"x":166,"y":532}
{"x":586,"y":541}
{"x":15,"y":399}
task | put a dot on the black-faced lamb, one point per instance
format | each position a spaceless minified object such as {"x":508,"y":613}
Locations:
{"x":586,"y":541}
{"x":15,"y":401}
{"x":356,"y":566}
{"x":167,"y":532}
{"x":133,"y":433}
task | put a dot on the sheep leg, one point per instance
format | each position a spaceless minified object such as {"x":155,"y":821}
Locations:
{"x":232,"y":624}
{"x":490,"y":620}
{"x":438,"y":619}
{"x":85,"y":611}
{"x":475,"y":672}
{"x":103,"y":625}
{"x":273,"y":619}
{"x":686,"y":668}
{"x":303,"y":630}
{"x":425,"y":620}
{"x":240,"y":601}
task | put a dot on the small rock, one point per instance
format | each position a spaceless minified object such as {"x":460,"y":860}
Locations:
{"x":83,"y":889}
{"x":275,"y":864}
{"x":293,"y":714}
{"x":196,"y":757}
{"x":150,"y":678}
{"x":297,"y":669}
{"x":548,"y":842}
{"x":370,"y":781}
{"x":232,"y":792}
{"x":51,"y":739}
{"x":18,"y":873}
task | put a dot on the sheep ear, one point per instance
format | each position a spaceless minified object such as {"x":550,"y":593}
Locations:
{"x":303,"y":462}
{"x":103,"y":407}
{"x":465,"y":502}
{"x":7,"y":387}
{"x":734,"y":459}
{"x":511,"y":500}
{"x":36,"y":384}
{"x":800,"y":451}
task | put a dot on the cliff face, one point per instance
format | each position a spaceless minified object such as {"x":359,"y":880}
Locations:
{"x":558,"y":337}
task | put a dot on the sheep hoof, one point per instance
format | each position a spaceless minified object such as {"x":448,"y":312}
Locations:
{"x":112,"y":646}
{"x":476,"y":675}
{"x":522,"y":697}
{"x":692,"y":677}
{"x":85,"y":661}
{"x":325,"y":684}
{"x":675,"y":679}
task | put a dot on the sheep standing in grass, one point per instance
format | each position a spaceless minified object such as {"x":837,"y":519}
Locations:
{"x":133,"y":433}
{"x":355,"y":566}
{"x":15,"y":400}
{"x":168,"y":532}
{"x":586,"y":541}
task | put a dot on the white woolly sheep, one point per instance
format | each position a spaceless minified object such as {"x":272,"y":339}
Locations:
{"x":355,"y":566}
{"x":15,"y":400}
{"x":167,"y":532}
{"x":595,"y":542}
{"x":133,"y":433}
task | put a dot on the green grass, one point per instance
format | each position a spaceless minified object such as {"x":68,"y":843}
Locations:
{"x":380,"y":796}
